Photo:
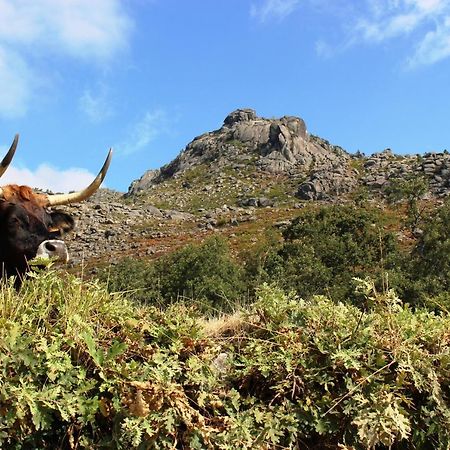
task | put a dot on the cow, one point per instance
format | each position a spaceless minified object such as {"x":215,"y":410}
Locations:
{"x":29,"y":228}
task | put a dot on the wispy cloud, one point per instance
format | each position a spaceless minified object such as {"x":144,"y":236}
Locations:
{"x":75,"y":28}
{"x":424,"y":25}
{"x":388,"y":18}
{"x":48,"y":177}
{"x":146,"y":130}
{"x":434,"y":47}
{"x":96,"y":105}
{"x":426,"y":22}
{"x":273,"y":9}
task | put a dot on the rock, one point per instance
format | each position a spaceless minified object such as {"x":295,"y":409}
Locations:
{"x":178,"y":215}
{"x":261,"y":202}
{"x":240,"y":115}
{"x":325,"y":184}
{"x":143,"y":183}
{"x":273,"y":145}
{"x":264,"y":202}
{"x":152,"y":210}
{"x":248,"y":202}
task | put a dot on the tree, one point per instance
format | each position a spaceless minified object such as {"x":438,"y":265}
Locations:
{"x":430,"y":267}
{"x":325,"y":249}
{"x":411,"y":190}
{"x":203,"y":272}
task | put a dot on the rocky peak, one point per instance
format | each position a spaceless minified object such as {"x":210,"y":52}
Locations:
{"x":240,"y":115}
{"x":261,"y":146}
{"x":274,"y":145}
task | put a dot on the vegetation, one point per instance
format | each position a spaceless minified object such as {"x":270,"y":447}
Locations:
{"x":319,"y":253}
{"x":427,"y":271}
{"x":324,"y":250}
{"x":203,"y":272}
{"x":81,"y":368}
{"x":411,"y":190}
{"x":299,"y":343}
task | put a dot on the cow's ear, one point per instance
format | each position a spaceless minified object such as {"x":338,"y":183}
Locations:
{"x":61,"y":222}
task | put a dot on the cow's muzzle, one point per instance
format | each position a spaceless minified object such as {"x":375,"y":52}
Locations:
{"x":53,"y":248}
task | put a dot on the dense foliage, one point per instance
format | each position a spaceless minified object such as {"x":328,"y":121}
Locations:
{"x":427,"y":269}
{"x":325,"y":249}
{"x":204,"y":272}
{"x":321,"y":252}
{"x":81,"y":368}
{"x":353,"y":368}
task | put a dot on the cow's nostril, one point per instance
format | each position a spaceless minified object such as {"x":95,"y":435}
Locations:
{"x":53,"y":249}
{"x":50,"y":247}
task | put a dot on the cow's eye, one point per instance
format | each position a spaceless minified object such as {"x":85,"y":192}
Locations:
{"x":55,"y":231}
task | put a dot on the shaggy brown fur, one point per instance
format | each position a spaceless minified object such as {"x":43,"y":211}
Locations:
{"x":21,"y":194}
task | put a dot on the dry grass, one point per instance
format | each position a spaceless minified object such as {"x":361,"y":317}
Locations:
{"x":226,"y":325}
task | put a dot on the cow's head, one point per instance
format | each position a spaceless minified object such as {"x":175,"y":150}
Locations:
{"x":29,"y":228}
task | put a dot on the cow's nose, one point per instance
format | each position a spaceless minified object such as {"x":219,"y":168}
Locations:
{"x":53,"y":248}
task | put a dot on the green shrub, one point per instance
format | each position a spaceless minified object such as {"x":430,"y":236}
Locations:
{"x":331,"y":374}
{"x":410,"y":189}
{"x":205,"y":274}
{"x":135,"y":278}
{"x":428,"y":267}
{"x":325,"y":249}
{"x":81,"y":368}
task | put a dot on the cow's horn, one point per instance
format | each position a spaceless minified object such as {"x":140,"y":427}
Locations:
{"x":9,"y":156}
{"x":75,"y":197}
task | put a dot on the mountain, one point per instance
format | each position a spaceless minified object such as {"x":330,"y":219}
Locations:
{"x":281,"y":154}
{"x":245,"y":178}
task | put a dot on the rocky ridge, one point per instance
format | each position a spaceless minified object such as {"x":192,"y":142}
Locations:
{"x":109,"y":228}
{"x":283,"y":146}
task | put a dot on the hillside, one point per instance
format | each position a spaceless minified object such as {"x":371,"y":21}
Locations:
{"x":277,"y":158}
{"x":240,"y":180}
{"x":262,"y":293}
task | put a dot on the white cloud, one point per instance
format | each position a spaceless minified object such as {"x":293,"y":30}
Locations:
{"x":48,"y":177}
{"x":76,"y":27}
{"x":92,"y":32}
{"x":434,"y":47}
{"x":96,"y":105}
{"x":391,"y":18}
{"x":426,"y":22}
{"x":273,"y":9}
{"x":148,"y":128}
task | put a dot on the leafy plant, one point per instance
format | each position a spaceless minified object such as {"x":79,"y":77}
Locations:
{"x":326,"y":248}
{"x":429,"y":266}
{"x":411,"y":189}
{"x":205,"y":274}
{"x":82,"y":368}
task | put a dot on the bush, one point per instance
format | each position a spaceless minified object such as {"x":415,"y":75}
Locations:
{"x":325,"y":249}
{"x":410,"y":189}
{"x":81,"y":368}
{"x":332,"y":376}
{"x":205,"y":274}
{"x":428,"y":268}
{"x":135,"y":278}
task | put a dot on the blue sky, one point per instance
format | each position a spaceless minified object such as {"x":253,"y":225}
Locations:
{"x":147,"y":76}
